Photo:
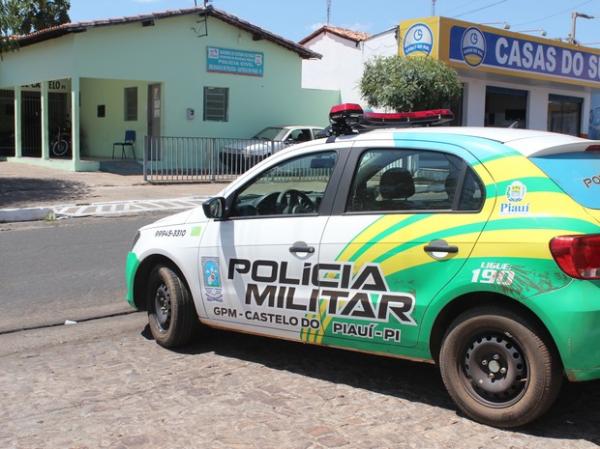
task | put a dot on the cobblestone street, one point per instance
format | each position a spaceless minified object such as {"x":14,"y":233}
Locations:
{"x":104,"y":384}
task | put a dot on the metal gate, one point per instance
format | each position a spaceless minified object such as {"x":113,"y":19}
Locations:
{"x":202,"y":159}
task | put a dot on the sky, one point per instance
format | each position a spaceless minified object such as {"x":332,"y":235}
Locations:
{"x":295,"y":19}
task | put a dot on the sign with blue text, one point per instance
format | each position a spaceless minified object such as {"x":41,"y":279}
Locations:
{"x":238,"y":62}
{"x":480,"y":48}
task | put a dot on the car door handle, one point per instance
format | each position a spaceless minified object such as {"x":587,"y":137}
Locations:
{"x":440,"y":246}
{"x":302,"y":249}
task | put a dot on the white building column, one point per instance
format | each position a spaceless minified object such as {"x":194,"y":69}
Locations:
{"x":18,"y":129}
{"x":475,"y":103}
{"x":45,"y":121}
{"x":75,"y":144}
{"x":537,"y":109}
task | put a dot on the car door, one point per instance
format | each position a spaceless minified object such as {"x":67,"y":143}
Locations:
{"x":256,"y":265}
{"x":404,"y":223}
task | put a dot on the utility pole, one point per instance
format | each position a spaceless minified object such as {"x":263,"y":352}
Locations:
{"x":574,"y":16}
{"x":433,"y":7}
{"x":328,"y":12}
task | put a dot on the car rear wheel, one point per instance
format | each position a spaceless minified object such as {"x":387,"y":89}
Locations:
{"x":171,"y":313}
{"x":498,"y":368}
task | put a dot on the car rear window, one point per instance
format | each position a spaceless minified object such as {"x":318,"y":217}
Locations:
{"x":578,"y":174}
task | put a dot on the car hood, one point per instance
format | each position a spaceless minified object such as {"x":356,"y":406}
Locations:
{"x":172,"y":220}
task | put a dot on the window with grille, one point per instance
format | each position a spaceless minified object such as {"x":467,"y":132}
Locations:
{"x":216,"y":101}
{"x":131,"y":104}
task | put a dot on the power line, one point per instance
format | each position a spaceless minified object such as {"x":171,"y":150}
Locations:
{"x":469,"y":3}
{"x":480,"y":9}
{"x":569,"y":9}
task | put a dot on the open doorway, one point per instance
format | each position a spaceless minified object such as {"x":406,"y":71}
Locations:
{"x":505,"y":107}
{"x":564,"y":114}
{"x":7,"y":123}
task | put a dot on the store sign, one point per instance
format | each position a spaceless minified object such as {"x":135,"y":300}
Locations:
{"x":418,"y":40}
{"x":53,"y":86}
{"x":239,"y":62}
{"x":476,"y":48}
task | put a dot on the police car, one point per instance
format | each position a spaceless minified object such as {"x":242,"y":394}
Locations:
{"x":477,"y":249}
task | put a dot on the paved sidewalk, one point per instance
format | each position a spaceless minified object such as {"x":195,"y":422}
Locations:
{"x":103,"y":384}
{"x":24,"y":186}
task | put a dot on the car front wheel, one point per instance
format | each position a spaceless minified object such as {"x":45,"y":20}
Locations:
{"x":498,"y":368}
{"x":171,"y":313}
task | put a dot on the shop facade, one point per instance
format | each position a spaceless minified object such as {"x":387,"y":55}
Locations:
{"x":508,"y":79}
{"x":185,"y":73}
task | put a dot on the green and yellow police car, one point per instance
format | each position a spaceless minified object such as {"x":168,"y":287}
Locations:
{"x":477,"y":249}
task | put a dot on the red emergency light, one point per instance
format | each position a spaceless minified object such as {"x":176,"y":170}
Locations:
{"x":349,"y":118}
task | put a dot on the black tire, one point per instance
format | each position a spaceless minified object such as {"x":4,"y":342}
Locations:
{"x":498,"y":368}
{"x":171,"y":313}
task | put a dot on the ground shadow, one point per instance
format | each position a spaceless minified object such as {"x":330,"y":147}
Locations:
{"x":19,"y":192}
{"x":576,"y":414}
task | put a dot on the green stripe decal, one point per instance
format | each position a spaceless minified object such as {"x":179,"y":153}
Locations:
{"x":534,"y":184}
{"x":131,"y":265}
{"x":350,"y":242}
{"x":390,"y":230}
{"x":493,"y":157}
{"x":567,"y":224}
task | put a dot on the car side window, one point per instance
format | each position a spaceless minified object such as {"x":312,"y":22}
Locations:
{"x":299,"y":135}
{"x":293,"y":187}
{"x":408,"y":180}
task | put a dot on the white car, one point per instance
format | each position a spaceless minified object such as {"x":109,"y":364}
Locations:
{"x":243,"y":154}
{"x":474,"y":248}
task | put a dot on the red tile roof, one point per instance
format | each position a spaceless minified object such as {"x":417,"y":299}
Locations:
{"x":78,"y":27}
{"x":356,"y":36}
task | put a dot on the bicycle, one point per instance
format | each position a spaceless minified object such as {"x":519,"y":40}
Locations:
{"x":60,"y":146}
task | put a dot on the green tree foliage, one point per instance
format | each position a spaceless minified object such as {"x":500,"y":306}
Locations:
{"x":36,"y":15}
{"x":409,"y":84}
{"x":18,"y":17}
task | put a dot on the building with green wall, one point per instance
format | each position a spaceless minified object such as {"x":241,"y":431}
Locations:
{"x":186,"y":73}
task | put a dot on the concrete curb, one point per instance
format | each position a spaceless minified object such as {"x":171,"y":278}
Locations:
{"x":27,"y":214}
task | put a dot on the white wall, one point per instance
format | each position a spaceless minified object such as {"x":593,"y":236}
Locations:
{"x":341,"y":67}
{"x":382,"y":44}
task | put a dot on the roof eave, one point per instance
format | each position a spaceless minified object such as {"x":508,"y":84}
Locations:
{"x":256,"y":31}
{"x":326,"y":29}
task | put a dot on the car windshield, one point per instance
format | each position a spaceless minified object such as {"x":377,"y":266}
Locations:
{"x":578,"y":174}
{"x":270,"y":133}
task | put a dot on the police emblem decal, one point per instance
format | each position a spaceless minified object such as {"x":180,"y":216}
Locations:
{"x":211,"y":274}
{"x":515,"y":194}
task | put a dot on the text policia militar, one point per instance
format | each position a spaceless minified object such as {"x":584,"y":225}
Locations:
{"x":363,"y":294}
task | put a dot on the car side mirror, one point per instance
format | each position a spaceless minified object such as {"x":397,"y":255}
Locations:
{"x":214,"y":208}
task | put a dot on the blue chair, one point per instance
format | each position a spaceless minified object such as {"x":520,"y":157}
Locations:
{"x":128,"y":142}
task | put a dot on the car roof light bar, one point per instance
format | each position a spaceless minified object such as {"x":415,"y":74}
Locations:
{"x":349,"y":118}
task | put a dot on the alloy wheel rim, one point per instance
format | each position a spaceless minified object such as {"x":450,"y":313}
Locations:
{"x":162,"y":306}
{"x":495,"y":369}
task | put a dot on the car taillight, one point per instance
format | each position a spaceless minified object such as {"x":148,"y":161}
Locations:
{"x":577,"y":255}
